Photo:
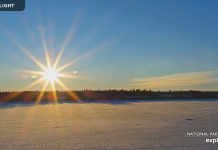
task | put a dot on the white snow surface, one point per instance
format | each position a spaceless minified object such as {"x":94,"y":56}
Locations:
{"x":108,"y":125}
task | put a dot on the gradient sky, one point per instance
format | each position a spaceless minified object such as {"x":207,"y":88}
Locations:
{"x":150,"y":44}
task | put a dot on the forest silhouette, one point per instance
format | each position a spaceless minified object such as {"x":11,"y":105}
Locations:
{"x":111,"y":94}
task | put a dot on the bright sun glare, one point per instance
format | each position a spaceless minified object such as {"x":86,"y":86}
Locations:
{"x":51,"y":74}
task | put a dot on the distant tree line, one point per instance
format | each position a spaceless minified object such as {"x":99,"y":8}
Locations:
{"x":111,"y":94}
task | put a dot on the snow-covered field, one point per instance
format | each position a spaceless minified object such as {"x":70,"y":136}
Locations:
{"x":108,"y":125}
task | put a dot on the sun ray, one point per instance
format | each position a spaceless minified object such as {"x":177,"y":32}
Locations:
{"x":67,"y":89}
{"x":23,"y":49}
{"x":68,"y":76}
{"x":42,"y":92}
{"x":45,"y":47}
{"x":72,"y":62}
{"x":69,"y":36}
{"x":43,"y":37}
{"x":54,"y":92}
{"x":14,"y":94}
{"x":34,"y":83}
{"x":100,"y":47}
{"x":34,"y":72}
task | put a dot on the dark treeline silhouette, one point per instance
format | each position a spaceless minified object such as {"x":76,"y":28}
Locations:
{"x":111,"y":94}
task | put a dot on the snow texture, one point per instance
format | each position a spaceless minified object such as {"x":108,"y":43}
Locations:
{"x":108,"y":125}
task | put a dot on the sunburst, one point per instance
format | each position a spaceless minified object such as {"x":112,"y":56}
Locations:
{"x":50,"y":73}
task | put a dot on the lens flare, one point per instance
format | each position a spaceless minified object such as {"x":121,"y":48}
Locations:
{"x":51,"y":74}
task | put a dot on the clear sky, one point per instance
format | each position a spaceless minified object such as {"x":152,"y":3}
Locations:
{"x":147,"y":44}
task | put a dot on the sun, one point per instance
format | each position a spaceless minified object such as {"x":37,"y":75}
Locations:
{"x":51,"y":74}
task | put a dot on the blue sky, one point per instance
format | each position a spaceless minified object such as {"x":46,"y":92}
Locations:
{"x":149,"y":44}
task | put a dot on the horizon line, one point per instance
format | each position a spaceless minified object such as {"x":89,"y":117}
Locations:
{"x":133,"y":90}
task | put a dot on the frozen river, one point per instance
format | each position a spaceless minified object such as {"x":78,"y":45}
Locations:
{"x":116,"y":125}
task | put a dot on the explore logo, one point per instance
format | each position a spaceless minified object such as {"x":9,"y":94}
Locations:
{"x":212,"y":140}
{"x":12,"y":5}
